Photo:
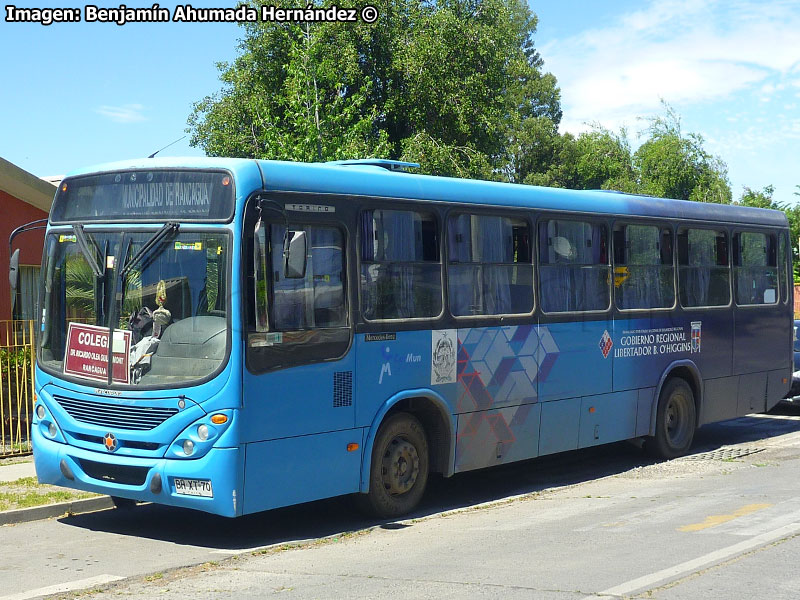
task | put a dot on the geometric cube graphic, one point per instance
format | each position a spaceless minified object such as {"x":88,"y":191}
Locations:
{"x":497,"y":373}
{"x":499,"y":366}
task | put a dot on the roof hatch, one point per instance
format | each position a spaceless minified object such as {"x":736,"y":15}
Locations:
{"x":385,"y":163}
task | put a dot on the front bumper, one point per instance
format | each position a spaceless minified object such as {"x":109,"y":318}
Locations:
{"x":137,"y":478}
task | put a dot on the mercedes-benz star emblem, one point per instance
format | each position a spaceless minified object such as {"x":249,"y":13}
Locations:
{"x":110,"y":442}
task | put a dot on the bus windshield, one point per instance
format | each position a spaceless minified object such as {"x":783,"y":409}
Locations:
{"x":166,"y":313}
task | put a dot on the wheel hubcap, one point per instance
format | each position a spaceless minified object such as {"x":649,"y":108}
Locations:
{"x":400,"y":466}
{"x":676,"y":421}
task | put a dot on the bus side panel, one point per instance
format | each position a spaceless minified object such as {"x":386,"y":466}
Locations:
{"x":644,"y":347}
{"x":301,"y":469}
{"x":607,"y":418}
{"x":578,"y":365}
{"x":560,"y":426}
{"x":497,"y":436}
{"x":644,"y":410}
{"x":756,"y":331}
{"x":778,"y":384}
{"x":500,"y":366}
{"x":752,"y":396}
{"x":718,"y":396}
{"x":391,"y":363}
{"x":299,"y":400}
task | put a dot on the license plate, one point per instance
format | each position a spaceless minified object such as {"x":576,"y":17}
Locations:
{"x":194,"y":487}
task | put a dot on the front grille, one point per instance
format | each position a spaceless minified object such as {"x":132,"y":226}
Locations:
{"x":115,"y":473}
{"x":118,"y":416}
{"x":96,"y":439}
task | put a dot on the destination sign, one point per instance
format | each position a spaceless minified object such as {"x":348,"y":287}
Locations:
{"x":145,"y":195}
{"x":194,"y":198}
{"x":87,"y":353}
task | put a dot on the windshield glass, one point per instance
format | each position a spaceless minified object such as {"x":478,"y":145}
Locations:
{"x":169,"y":311}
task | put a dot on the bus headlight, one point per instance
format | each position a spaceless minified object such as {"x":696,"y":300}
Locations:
{"x":199,"y":437}
{"x":45,"y":424}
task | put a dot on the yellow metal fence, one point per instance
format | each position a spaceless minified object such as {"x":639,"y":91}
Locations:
{"x":16,"y":386}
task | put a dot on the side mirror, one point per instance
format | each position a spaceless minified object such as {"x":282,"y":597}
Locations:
{"x":13,"y":276}
{"x":294,"y":255}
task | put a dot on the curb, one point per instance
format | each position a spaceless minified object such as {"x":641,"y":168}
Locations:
{"x":48,"y":511}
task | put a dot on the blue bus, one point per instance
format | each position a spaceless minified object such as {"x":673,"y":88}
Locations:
{"x":236,"y":335}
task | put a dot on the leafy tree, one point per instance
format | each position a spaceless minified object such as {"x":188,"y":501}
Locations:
{"x":668,"y":164}
{"x":295,"y":93}
{"x":673,"y":165}
{"x":760,"y":199}
{"x":444,"y":83}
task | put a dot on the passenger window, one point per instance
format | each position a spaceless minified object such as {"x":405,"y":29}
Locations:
{"x":755,"y":268}
{"x":574,"y":267}
{"x":490,"y":270}
{"x":316,"y":300}
{"x":643,"y":271}
{"x":400,"y":265}
{"x":703,"y":273}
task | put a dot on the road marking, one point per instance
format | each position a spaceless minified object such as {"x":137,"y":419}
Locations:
{"x":696,"y":564}
{"x":60,"y":588}
{"x":714,"y":520}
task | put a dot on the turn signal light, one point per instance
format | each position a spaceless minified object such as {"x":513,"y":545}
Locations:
{"x":219,"y":419}
{"x":352,"y":447}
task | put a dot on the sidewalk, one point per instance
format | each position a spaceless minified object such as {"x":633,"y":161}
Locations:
{"x":12,"y":471}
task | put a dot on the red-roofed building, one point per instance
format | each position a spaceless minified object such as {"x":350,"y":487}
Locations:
{"x":23,"y":198}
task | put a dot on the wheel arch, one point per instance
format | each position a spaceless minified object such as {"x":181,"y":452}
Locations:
{"x":688,"y":371}
{"x":434,"y":414}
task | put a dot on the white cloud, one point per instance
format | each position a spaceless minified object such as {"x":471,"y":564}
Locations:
{"x":128,"y":113}
{"x":683,"y":51}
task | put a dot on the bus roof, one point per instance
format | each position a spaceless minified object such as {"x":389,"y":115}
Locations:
{"x":374,"y":180}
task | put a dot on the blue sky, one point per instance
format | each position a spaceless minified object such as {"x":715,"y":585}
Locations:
{"x":78,"y":94}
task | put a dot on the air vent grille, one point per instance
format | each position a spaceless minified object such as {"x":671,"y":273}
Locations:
{"x":342,"y":388}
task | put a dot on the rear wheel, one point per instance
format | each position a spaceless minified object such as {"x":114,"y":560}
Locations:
{"x":399,"y":468}
{"x":676,"y":420}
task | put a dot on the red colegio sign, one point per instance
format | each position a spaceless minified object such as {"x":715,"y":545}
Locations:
{"x":87,"y":353}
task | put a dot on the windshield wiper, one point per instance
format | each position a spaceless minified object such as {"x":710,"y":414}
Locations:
{"x":159,"y":236}
{"x":168,"y":229}
{"x":83,"y":244}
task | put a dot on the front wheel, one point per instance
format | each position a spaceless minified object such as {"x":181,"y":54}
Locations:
{"x":399,"y":468}
{"x":676,"y":420}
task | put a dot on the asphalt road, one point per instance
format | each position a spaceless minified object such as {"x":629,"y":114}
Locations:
{"x":607,"y":522}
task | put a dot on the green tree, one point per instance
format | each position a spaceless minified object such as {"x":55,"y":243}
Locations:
{"x":668,"y":164}
{"x":598,"y":159}
{"x":673,"y":165}
{"x":294,"y":93}
{"x":759,"y":199}
{"x":446,"y":84}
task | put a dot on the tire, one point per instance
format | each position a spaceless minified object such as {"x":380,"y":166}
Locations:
{"x":123,"y":503}
{"x":398,"y":469}
{"x":676,"y":420}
